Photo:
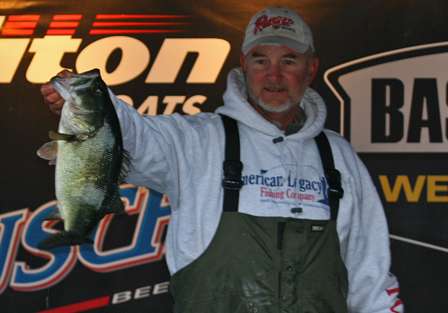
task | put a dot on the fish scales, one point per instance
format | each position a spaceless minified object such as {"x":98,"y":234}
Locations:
{"x":90,"y":159}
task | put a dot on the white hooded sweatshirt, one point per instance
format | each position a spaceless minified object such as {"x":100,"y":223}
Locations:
{"x":182,"y":157}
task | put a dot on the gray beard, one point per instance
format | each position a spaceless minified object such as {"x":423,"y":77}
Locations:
{"x":274,"y":109}
{"x":269,"y":108}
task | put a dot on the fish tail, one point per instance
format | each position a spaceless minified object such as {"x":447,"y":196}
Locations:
{"x":64,"y":238}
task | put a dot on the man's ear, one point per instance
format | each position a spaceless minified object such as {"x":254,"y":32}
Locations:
{"x":243,"y":62}
{"x":313,"y":67}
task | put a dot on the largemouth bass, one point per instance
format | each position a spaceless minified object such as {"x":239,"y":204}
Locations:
{"x":90,"y":161}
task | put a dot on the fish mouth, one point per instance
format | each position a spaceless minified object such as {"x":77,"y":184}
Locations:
{"x":72,"y":85}
{"x":75,"y":82}
{"x":61,"y":85}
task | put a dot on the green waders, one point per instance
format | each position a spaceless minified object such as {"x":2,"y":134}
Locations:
{"x":264,"y":264}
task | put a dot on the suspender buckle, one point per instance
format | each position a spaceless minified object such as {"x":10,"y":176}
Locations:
{"x":232,"y":174}
{"x":334,"y":182}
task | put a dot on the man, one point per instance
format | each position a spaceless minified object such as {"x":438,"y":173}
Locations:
{"x":266,"y":215}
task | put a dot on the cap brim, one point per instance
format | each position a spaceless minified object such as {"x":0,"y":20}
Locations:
{"x":277,"y":41}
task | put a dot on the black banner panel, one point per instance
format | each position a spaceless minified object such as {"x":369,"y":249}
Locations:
{"x":383,"y":77}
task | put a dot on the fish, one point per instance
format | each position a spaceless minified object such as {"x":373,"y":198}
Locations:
{"x":90,"y":160}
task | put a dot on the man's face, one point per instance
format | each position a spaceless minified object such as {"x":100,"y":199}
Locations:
{"x":277,"y":76}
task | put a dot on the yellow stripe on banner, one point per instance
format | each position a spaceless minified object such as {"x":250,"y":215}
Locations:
{"x":2,"y":19}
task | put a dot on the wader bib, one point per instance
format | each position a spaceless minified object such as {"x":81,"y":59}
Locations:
{"x":266,"y":264}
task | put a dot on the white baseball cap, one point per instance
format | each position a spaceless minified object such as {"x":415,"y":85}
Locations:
{"x":278,"y":26}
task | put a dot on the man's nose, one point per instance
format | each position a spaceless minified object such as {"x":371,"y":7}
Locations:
{"x":274,"y":71}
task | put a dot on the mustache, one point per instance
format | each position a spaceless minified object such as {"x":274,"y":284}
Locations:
{"x":275,"y":87}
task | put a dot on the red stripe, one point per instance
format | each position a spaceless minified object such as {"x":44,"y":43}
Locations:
{"x":67,"y":17}
{"x":102,"y":24}
{"x":20,"y":25}
{"x":130,"y":16}
{"x":17,"y":32}
{"x":81,"y":306}
{"x":392,"y":291}
{"x":132,"y":31}
{"x":24,"y":17}
{"x":64,"y":24}
{"x":397,"y":304}
{"x":60,"y":31}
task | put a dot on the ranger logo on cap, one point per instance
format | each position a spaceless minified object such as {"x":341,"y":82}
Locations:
{"x":278,"y":26}
{"x":277,"y":21}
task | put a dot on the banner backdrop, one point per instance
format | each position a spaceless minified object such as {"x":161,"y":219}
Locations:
{"x":383,"y":76}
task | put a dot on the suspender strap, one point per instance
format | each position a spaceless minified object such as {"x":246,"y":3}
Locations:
{"x":335,"y":191}
{"x":232,"y":169}
{"x":232,"y":166}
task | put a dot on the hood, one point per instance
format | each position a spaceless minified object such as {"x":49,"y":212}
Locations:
{"x":237,"y":107}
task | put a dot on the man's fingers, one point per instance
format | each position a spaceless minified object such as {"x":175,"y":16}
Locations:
{"x":56,"y":107}
{"x":53,"y":98}
{"x":65,"y":73}
{"x":47,"y":89}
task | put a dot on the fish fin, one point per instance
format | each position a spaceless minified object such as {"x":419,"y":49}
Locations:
{"x":91,"y":134}
{"x":48,"y":151}
{"x":114,"y":204}
{"x":126,"y":161}
{"x":58,"y":136}
{"x":64,"y":238}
